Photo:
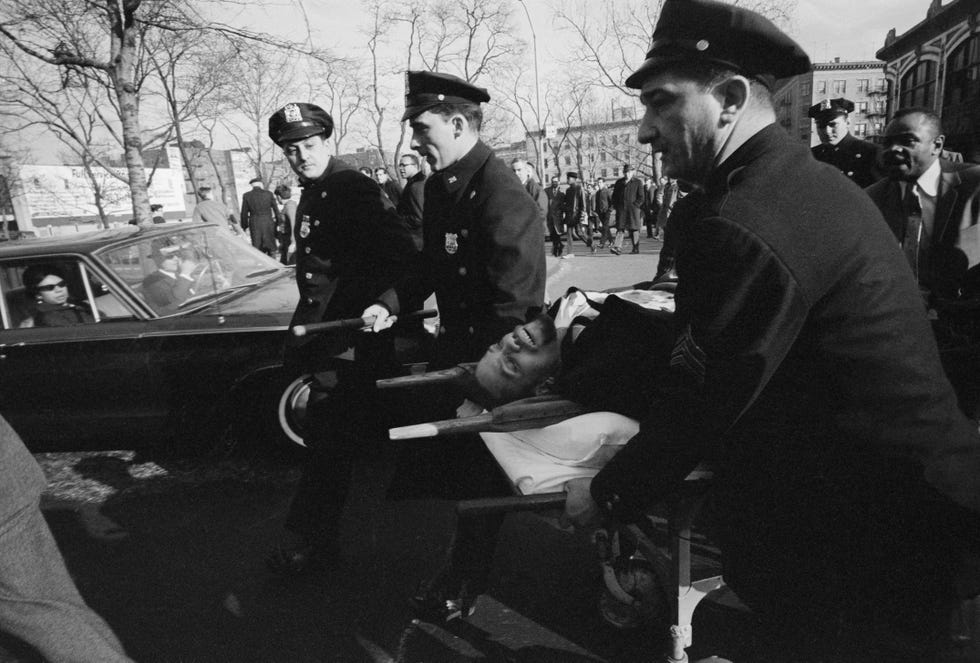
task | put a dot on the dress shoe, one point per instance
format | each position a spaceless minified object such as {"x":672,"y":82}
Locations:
{"x":614,"y":250}
{"x":636,"y":249}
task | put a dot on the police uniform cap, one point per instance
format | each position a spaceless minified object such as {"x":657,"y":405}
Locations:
{"x":255,"y":179}
{"x":712,"y":32}
{"x":828,"y":109}
{"x":297,"y":121}
{"x":425,"y":89}
{"x":571,"y":174}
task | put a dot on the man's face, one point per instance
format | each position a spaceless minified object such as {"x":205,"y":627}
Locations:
{"x":911,"y":144}
{"x":435,"y":138}
{"x":832,"y":131}
{"x":381,"y":175}
{"x":519,"y":361}
{"x":308,"y":157}
{"x":407,"y":168}
{"x":572,"y":180}
{"x":555,"y":182}
{"x":681,"y":121}
{"x":520,"y":169}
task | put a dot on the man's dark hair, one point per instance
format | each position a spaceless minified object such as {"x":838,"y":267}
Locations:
{"x":472,"y":112}
{"x":156,"y":207}
{"x":709,"y":74}
{"x":928,"y":116}
{"x":413,"y":157}
{"x":284,"y":191}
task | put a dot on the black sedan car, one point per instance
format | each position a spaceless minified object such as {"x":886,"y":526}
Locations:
{"x":130,"y":337}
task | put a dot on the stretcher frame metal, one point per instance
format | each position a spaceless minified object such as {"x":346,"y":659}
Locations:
{"x":673,"y":573}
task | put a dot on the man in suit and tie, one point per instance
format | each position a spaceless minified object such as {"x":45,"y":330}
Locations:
{"x":260,"y":216}
{"x":932,"y":205}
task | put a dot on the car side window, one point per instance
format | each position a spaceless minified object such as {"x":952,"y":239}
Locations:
{"x":54,"y":292}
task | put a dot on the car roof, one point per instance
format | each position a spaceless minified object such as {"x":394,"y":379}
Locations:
{"x":88,"y":242}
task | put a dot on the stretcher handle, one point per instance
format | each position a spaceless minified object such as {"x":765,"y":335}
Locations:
{"x":357,"y":323}
{"x":432,"y":377}
{"x":491,"y":505}
{"x":524,"y":414}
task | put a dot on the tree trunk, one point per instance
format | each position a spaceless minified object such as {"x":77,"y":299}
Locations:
{"x":123,"y":52}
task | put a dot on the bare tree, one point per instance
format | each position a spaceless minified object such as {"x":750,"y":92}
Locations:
{"x":262,"y":80}
{"x":95,"y":39}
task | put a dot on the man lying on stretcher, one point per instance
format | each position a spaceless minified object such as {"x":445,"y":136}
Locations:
{"x":609,"y":363}
{"x":602,"y":351}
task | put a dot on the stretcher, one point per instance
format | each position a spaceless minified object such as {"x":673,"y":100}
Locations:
{"x":672,"y":571}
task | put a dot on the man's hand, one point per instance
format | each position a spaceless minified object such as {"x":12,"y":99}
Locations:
{"x":382,"y":318}
{"x":581,"y":511}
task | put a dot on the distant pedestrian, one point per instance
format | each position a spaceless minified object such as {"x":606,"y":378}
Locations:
{"x":413,"y":195}
{"x":209,"y":210}
{"x":156,"y":209}
{"x":603,"y":208}
{"x":260,"y":216}
{"x":286,"y":230}
{"x":388,"y":185}
{"x":629,"y":208}
{"x":574,"y":211}
{"x":556,"y":217}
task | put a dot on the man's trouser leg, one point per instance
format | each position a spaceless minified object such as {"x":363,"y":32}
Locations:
{"x":39,"y":602}
{"x":338,"y":427}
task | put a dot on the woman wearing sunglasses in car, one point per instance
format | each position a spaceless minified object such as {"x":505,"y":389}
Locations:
{"x":53,"y":308}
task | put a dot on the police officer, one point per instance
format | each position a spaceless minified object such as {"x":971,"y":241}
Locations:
{"x":350,"y":247}
{"x":803,"y":366}
{"x":483,"y":253}
{"x":852,"y":156}
{"x":483,"y":257}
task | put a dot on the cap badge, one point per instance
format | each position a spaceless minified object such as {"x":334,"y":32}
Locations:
{"x":304,"y":226}
{"x":452,"y":179}
{"x":452,"y":245}
{"x":441,"y":97}
{"x":292,"y":113}
{"x":702,"y":45}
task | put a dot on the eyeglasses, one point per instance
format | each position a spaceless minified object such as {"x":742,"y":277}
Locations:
{"x":52,"y":286}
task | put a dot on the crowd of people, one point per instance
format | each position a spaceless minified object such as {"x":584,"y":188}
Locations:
{"x":800,"y":358}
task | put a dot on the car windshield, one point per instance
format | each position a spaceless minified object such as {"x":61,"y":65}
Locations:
{"x":167,"y":270}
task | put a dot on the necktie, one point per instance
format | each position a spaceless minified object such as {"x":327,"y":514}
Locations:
{"x":913,"y":228}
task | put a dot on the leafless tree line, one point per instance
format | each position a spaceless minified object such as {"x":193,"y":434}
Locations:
{"x":129,"y":76}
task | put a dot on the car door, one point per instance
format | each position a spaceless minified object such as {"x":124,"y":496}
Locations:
{"x":79,"y":385}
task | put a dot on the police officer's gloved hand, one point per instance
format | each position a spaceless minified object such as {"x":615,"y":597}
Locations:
{"x":382,"y":318}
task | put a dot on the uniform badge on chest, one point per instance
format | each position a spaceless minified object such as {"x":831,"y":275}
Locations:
{"x":304,"y":226}
{"x":452,"y":245}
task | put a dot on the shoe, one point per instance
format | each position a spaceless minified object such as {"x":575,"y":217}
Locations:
{"x":295,"y":560}
{"x":444,"y":601}
{"x":636,"y":249}
{"x":614,"y":250}
{"x":595,"y":249}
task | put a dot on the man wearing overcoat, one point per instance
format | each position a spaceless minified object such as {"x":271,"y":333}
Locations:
{"x":803,"y":367}
{"x":350,"y":247}
{"x":260,"y":216}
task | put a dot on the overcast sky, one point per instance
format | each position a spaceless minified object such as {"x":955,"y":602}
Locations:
{"x":849,"y":29}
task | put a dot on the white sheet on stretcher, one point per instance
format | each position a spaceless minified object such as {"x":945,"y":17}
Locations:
{"x":541,"y":460}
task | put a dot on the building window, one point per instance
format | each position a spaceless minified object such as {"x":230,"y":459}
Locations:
{"x":864,"y":84}
{"x":821,"y":87}
{"x":862,"y":107}
{"x":805,"y":89}
{"x":602,"y":173}
{"x":839,"y":87}
{"x":602,"y":155}
{"x":546,"y":162}
{"x":568,"y":161}
{"x":918,"y":86}
{"x":615,"y":172}
{"x":963,"y":72}
{"x":881,"y":85}
{"x":861,"y":129}
{"x":612,"y":139}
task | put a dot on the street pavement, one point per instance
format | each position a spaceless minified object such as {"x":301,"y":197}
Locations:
{"x":170,"y":551}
